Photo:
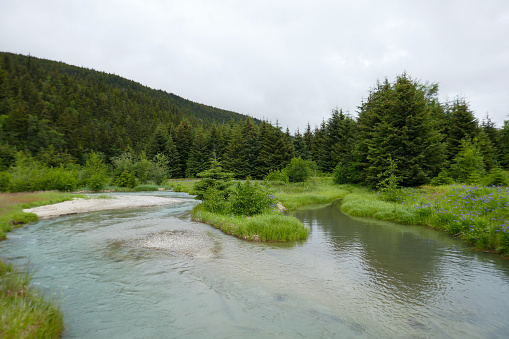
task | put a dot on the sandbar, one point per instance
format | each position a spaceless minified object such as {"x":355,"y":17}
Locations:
{"x":80,"y":205}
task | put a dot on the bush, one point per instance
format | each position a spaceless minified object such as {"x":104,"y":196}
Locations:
{"x":442,"y":178}
{"x":5,"y":179}
{"x":468,"y":166}
{"x":249,"y":198}
{"x":126,"y":179}
{"x":277,"y":176}
{"x":298,"y":170}
{"x":497,"y":177}
{"x":340,"y":174}
{"x":97,"y":182}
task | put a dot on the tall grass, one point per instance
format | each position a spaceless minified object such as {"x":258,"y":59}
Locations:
{"x":317,"y":191}
{"x":24,"y":313}
{"x":270,"y":226}
{"x":479,"y":215}
{"x":12,"y":205}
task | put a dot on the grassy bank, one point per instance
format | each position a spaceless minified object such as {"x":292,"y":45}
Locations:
{"x":270,"y":226}
{"x":12,"y":205}
{"x":479,"y":215}
{"x":24,"y":313}
{"x":315,"y":191}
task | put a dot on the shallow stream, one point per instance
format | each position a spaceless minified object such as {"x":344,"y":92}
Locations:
{"x":152,"y":273}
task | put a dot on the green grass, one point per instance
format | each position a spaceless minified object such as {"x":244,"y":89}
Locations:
{"x":180,"y":185}
{"x":316,"y":191}
{"x":24,"y":313}
{"x":477,"y":214}
{"x":146,"y":187}
{"x":12,"y":205}
{"x":270,"y":226}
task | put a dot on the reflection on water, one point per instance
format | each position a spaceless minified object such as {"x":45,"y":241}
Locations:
{"x":351,"y":278}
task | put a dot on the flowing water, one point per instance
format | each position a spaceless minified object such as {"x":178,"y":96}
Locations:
{"x":152,"y":273}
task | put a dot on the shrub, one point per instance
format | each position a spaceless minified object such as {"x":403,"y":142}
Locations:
{"x":497,"y":177}
{"x":213,"y":178}
{"x":5,"y":179}
{"x":298,"y":170}
{"x":277,"y":176}
{"x":340,"y":174}
{"x":249,"y":198}
{"x":443,"y":178}
{"x":468,"y":166}
{"x":126,"y":179}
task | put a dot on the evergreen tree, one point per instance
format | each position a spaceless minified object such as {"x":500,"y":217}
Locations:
{"x":322,"y":148}
{"x":308,"y":138}
{"x":300,"y":147}
{"x":468,"y":165}
{"x":396,"y":121}
{"x":462,"y":125}
{"x":266,"y":142}
{"x":234,"y":159}
{"x":183,"y":140}
{"x":490,"y":131}
{"x":173,"y":159}
{"x":159,"y":142}
{"x":212,"y":179}
{"x":251,"y":148}
{"x":198,"y":160}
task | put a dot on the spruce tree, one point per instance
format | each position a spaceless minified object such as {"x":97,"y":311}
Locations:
{"x":462,"y":126}
{"x":198,"y":160}
{"x":397,"y":129}
{"x":251,"y":148}
{"x":234,"y":159}
{"x":183,"y":140}
{"x":300,"y":147}
{"x":159,"y":142}
{"x":173,"y":159}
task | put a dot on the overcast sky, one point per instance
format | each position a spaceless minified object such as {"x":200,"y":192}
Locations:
{"x":292,"y":61}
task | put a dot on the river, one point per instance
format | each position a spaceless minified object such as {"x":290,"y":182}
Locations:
{"x":355,"y":278}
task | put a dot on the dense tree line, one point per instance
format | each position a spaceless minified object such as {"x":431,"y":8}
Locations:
{"x":61,"y":114}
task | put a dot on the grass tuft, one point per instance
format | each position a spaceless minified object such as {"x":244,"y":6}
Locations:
{"x":271,"y":226}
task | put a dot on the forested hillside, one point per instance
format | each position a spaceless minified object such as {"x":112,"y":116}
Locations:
{"x":48,"y":105}
{"x":100,"y":128}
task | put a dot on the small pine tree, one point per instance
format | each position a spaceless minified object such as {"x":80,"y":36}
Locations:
{"x":468,"y":165}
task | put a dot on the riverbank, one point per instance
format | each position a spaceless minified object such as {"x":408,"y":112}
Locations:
{"x":25,"y":313}
{"x":102,"y":203}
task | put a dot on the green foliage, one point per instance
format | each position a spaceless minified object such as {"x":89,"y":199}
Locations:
{"x":397,"y":119}
{"x":268,"y":227}
{"x":340,"y":174}
{"x":141,"y":188}
{"x":497,"y":177}
{"x":212,"y":179}
{"x":126,"y":179}
{"x":468,"y":166}
{"x":30,"y":175}
{"x":443,"y":178}
{"x":215,"y":201}
{"x":250,"y":198}
{"x":320,"y":191}
{"x":25,"y":314}
{"x":388,"y":184}
{"x":95,"y":173}
{"x":277,"y":176}
{"x":299,"y":170}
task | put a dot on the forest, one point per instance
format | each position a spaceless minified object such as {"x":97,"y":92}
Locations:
{"x":64,"y":127}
